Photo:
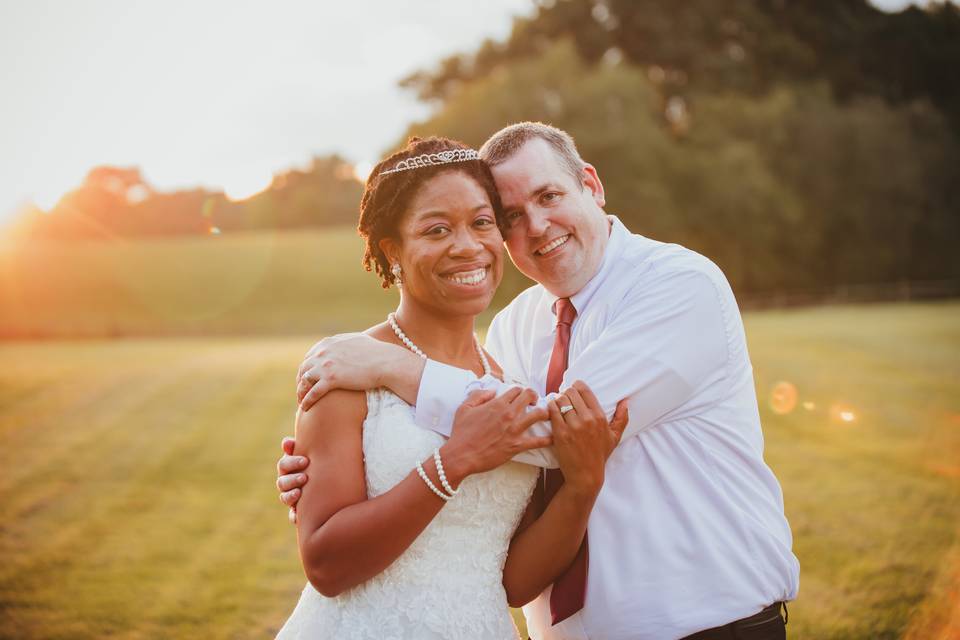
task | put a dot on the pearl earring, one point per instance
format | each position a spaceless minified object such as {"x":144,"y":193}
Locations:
{"x":396,"y":271}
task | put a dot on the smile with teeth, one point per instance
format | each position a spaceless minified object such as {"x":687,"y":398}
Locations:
{"x":468,"y":277}
{"x":553,"y":244}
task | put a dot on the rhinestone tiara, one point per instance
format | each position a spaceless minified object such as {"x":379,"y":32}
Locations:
{"x":434,"y":159}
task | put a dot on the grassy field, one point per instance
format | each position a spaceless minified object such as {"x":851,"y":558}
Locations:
{"x":253,"y":283}
{"x":258,"y":283}
{"x":137,"y":499}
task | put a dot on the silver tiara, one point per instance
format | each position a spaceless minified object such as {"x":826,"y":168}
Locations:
{"x":434,"y":159}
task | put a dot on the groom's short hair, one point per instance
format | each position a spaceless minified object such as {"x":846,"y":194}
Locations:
{"x":506,"y":142}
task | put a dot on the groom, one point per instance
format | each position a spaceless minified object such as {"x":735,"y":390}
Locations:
{"x":687,"y":538}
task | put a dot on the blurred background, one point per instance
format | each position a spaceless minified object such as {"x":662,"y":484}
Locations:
{"x":179,"y":185}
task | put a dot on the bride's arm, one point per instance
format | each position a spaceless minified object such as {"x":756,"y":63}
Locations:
{"x":342,"y":534}
{"x":345,"y":538}
{"x":550,"y":534}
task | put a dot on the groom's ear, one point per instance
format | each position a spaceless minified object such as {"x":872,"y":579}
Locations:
{"x":591,"y":180}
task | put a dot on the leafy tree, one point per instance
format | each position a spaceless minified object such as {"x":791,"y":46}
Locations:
{"x":117,"y":202}
{"x":789,"y":189}
{"x":742,"y":45}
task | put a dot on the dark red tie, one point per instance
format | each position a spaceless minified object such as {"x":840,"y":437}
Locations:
{"x":571,"y":587}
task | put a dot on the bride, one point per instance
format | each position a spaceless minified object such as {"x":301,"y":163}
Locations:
{"x":403,"y":534}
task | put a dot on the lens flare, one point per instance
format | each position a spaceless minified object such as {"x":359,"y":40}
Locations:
{"x":809,"y":406}
{"x":843,"y":413}
{"x":783,"y":398}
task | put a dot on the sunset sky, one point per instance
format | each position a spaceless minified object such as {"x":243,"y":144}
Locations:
{"x":213,"y":92}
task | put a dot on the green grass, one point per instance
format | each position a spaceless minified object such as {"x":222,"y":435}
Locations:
{"x":875,"y":503}
{"x":257,"y":283}
{"x":137,"y":499}
{"x":246,"y":283}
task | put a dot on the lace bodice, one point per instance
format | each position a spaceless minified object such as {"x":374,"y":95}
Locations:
{"x":447,"y":584}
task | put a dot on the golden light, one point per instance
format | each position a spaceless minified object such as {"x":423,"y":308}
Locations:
{"x":783,"y":398}
{"x":214,"y":231}
{"x":48,"y":197}
{"x":362,"y":170}
{"x":243,"y":186}
{"x":206,"y":210}
{"x":843,"y":413}
{"x":60,"y":176}
{"x":809,"y":406}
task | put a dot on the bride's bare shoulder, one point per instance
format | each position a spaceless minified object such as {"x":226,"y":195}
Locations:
{"x":383,"y":332}
{"x":338,"y":412}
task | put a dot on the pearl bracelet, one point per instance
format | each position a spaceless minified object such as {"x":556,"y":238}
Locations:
{"x":443,"y":476}
{"x":426,"y":479}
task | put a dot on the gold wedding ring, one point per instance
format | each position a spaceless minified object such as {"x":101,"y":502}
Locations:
{"x":565,"y":408}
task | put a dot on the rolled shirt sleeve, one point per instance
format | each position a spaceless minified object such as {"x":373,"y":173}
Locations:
{"x":443,"y":388}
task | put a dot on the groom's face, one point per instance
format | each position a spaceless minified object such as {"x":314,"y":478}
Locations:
{"x":556,"y":228}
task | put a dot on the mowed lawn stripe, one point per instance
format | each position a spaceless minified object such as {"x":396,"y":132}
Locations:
{"x":124,"y":441}
{"x":224,"y":484}
{"x":172,"y":528}
{"x":873,"y":505}
{"x":155,"y":479}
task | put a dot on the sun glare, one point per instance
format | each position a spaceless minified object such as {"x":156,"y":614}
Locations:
{"x":362,"y":170}
{"x":242,"y":187}
{"x":48,"y":197}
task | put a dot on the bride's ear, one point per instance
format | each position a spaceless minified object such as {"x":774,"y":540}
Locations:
{"x":391,"y":249}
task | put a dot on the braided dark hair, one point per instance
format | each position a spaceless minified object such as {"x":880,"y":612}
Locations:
{"x":386,"y":197}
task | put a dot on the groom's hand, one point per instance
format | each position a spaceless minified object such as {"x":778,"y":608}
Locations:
{"x":357,"y":362}
{"x":324,"y":367}
{"x":290,"y":476}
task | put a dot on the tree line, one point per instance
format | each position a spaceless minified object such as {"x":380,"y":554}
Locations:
{"x":116,"y":202}
{"x":800,"y":145}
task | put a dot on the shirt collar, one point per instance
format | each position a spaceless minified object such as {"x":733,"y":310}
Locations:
{"x":614,"y":248}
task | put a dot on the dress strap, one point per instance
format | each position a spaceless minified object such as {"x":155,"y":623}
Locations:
{"x":374,"y":401}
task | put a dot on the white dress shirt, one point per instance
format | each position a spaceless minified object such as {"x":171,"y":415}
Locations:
{"x":688,"y":531}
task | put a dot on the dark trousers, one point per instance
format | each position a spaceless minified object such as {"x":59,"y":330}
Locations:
{"x":769,"y":624}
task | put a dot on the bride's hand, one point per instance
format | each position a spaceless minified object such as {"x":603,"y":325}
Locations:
{"x":489,"y":431}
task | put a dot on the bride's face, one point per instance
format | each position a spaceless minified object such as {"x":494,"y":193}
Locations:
{"x":449,"y":248}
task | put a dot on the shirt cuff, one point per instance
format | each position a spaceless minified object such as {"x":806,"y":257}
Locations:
{"x":443,"y":389}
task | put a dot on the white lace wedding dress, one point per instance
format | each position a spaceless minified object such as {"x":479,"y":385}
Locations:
{"x":447,"y":584}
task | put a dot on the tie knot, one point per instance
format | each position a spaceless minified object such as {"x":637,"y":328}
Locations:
{"x":566,"y":312}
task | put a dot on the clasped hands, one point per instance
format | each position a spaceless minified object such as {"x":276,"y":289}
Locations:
{"x":488,"y":430}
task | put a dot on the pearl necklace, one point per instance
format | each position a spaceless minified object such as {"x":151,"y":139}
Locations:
{"x":407,"y":341}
